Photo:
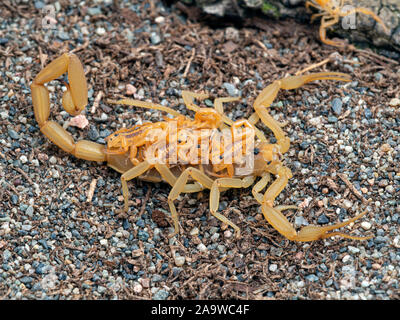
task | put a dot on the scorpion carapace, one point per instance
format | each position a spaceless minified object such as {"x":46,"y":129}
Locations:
{"x":331,"y":11}
{"x":208,"y":152}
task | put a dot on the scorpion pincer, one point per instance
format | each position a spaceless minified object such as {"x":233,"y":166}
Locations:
{"x":209,"y":151}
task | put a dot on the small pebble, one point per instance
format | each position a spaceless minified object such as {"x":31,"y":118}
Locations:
{"x":322,"y":219}
{"x":159,"y":20}
{"x":3,"y":41}
{"x":376,"y":266}
{"x":273,"y":267}
{"x":161,"y":295}
{"x":137,"y":288}
{"x":227,"y":234}
{"x":347,"y":204}
{"x":337,"y":106}
{"x":155,"y":38}
{"x":53,"y":160}
{"x":394,"y":102}
{"x":201,"y":247}
{"x":130,"y":89}
{"x":194,"y":231}
{"x":346,"y":258}
{"x":100,"y":31}
{"x":13,"y":134}
{"x":179,"y":261}
{"x":353,"y":250}
{"x":348,"y":149}
{"x":94,"y":11}
{"x":232,"y":91}
{"x":23,"y":159}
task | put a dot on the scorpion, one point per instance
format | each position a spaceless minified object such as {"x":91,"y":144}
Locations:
{"x":169,"y":151}
{"x":331,"y":12}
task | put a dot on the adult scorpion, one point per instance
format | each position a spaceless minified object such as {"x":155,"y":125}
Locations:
{"x":208,"y":152}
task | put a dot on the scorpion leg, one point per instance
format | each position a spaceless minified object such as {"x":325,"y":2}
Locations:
{"x":189,"y":96}
{"x":215,"y":193}
{"x":218,"y":105}
{"x":268,"y":95}
{"x":322,"y":31}
{"x":145,"y":104}
{"x":179,"y":187}
{"x":260,"y":185}
{"x":309,"y":233}
{"x":369,"y":13}
{"x":170,"y":178}
{"x":316,"y":15}
{"x":310,"y":4}
{"x":254,"y":119}
{"x":74,"y":101}
{"x":129,"y":175}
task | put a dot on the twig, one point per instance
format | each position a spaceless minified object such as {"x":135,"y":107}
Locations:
{"x":24,"y":174}
{"x":189,"y":63}
{"x":376,"y":56}
{"x":84,"y":46}
{"x":42,"y":57}
{"x":352,"y":188}
{"x":313,"y":66}
{"x":145,"y":201}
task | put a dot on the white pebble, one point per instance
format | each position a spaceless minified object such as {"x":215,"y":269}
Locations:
{"x":103,"y":242}
{"x":347,"y":204}
{"x":389,"y":189}
{"x":100,"y":31}
{"x":227,"y":234}
{"x":201,"y":247}
{"x":137,"y":287}
{"x":353,"y":250}
{"x":315,"y":121}
{"x":23,"y":159}
{"x":394,"y":102}
{"x":273,"y":267}
{"x":194,"y":231}
{"x":159,"y":20}
{"x":366,"y":225}
{"x":55,"y":174}
{"x":346,"y":258}
{"x":53,"y":160}
{"x":348,"y":149}
{"x":180,"y":261}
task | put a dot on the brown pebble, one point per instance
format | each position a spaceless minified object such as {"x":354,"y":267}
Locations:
{"x":376,"y":266}
{"x":145,"y":282}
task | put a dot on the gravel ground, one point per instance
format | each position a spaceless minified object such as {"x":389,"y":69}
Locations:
{"x":58,"y":241}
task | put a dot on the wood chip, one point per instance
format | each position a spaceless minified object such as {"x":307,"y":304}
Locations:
{"x":96,"y":101}
{"x":92,"y":187}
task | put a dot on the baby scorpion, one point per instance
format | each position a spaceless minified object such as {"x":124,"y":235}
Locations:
{"x":189,"y":154}
{"x":331,"y":11}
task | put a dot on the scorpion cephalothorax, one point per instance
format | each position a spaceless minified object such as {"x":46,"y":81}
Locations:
{"x":208,"y":152}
